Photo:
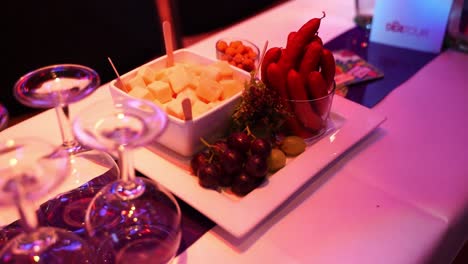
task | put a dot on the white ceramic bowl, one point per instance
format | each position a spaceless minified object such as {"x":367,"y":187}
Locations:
{"x":183,"y":136}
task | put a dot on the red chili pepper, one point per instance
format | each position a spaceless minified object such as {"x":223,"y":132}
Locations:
{"x":311,"y":59}
{"x":290,"y":37}
{"x":272,"y":55}
{"x":295,"y":47}
{"x":318,"y":88}
{"x":302,"y":109}
{"x":328,"y":67}
{"x":278,"y":82}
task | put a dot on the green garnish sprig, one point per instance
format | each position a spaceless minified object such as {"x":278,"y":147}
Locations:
{"x":260,"y":109}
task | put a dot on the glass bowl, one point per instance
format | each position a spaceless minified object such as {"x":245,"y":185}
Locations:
{"x":238,"y":52}
{"x":310,"y":118}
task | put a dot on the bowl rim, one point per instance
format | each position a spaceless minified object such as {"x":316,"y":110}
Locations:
{"x":330,"y":93}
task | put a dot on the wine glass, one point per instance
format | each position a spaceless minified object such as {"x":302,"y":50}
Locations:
{"x":57,"y":86}
{"x":135,"y":218}
{"x":29,"y":169}
{"x":4,"y":116}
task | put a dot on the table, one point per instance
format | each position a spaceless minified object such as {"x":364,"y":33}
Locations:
{"x":398,"y":196}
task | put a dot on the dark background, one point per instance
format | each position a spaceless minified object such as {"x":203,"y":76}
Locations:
{"x":41,"y":33}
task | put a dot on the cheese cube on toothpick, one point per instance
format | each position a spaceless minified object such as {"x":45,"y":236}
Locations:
{"x":179,"y":78}
{"x":174,"y":108}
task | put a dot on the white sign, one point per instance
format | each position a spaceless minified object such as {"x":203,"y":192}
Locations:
{"x":415,"y":24}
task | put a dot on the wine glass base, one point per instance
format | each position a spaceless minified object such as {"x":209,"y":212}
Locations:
{"x":9,"y":232}
{"x":139,"y":244}
{"x":154,"y":249}
{"x":68,"y":210}
{"x":47,"y":245}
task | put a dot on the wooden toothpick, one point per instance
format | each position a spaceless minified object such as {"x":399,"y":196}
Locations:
{"x":124,"y":88}
{"x":167,"y":32}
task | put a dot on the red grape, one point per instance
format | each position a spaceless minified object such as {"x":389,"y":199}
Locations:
{"x":231,"y":161}
{"x":200,"y":158}
{"x":237,"y":161}
{"x":209,"y":175}
{"x":219,"y":146}
{"x":239,"y":141}
{"x":261,"y":147}
{"x":243,"y":184}
{"x":256,"y":166}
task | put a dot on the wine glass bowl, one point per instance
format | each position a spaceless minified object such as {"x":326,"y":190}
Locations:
{"x":30,"y":168}
{"x":123,"y":122}
{"x":18,"y":159}
{"x":134,"y":218}
{"x":56,"y":85}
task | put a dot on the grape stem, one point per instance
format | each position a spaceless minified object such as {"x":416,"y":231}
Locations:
{"x":249,"y":132}
{"x":205,"y":142}
{"x":209,"y":146}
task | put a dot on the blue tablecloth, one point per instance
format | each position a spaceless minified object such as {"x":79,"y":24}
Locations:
{"x":397,"y":64}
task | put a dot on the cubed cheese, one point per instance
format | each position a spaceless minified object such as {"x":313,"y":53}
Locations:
{"x":199,"y":108}
{"x":194,"y":82}
{"x":225,"y":70}
{"x":141,"y":92}
{"x":161,"y":105}
{"x":161,"y":75}
{"x":215,"y":104}
{"x":179,"y":78}
{"x":211,"y":72}
{"x":174,"y":108}
{"x":209,"y":90}
{"x":148,"y":74}
{"x":195,"y":69}
{"x":230,"y":88}
{"x":190,"y":94}
{"x":136,"y":81}
{"x":161,"y":91}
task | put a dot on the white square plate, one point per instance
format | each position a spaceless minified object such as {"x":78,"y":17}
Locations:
{"x":350,"y":121}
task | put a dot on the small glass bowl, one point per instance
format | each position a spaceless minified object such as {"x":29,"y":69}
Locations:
{"x":310,"y":118}
{"x":238,"y":52}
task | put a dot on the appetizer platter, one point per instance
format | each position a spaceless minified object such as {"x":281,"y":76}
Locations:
{"x":240,"y":143}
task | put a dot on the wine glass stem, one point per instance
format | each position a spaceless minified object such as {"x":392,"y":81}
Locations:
{"x":25,"y":209}
{"x":68,"y":138}
{"x":127,"y":171}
